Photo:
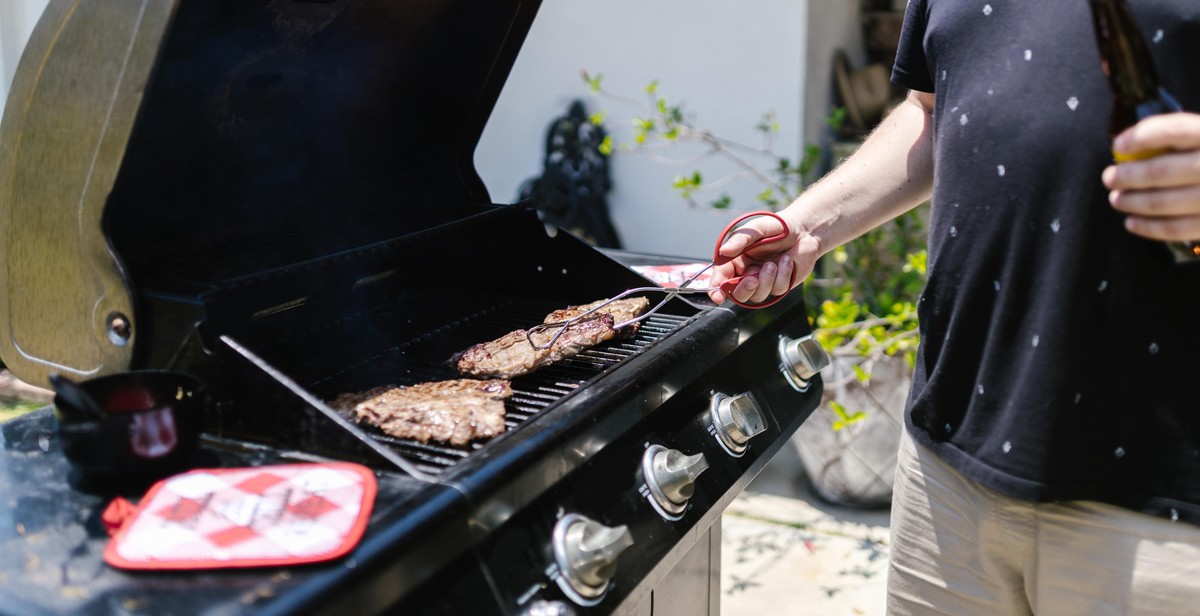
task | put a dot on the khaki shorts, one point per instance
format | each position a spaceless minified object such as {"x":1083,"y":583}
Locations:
{"x":958,"y":548}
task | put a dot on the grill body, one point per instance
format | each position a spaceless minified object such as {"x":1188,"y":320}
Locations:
{"x":279,"y":198}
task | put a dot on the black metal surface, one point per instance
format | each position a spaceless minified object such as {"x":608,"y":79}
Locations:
{"x":299,"y":185}
{"x":260,"y":113}
{"x":52,"y":541}
{"x":365,"y":318}
{"x":582,"y":456}
{"x":329,"y":364}
{"x":585,"y":460}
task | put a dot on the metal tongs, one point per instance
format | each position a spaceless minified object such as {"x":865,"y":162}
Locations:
{"x":684,"y":289}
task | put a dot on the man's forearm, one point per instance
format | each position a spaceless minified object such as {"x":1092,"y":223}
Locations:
{"x":891,"y":173}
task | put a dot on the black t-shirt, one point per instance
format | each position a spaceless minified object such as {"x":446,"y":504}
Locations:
{"x":1060,"y":354}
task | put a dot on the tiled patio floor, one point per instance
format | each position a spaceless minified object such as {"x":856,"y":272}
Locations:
{"x":784,"y":552}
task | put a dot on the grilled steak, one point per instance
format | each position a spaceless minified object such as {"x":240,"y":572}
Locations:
{"x":511,"y":355}
{"x":455,"y":412}
{"x":621,"y":310}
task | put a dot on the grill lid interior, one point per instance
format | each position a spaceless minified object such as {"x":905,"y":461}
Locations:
{"x":135,"y":124}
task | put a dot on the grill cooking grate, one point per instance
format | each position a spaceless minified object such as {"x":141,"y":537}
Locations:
{"x":329,"y":369}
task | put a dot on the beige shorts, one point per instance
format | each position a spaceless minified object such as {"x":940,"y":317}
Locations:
{"x":958,"y":548}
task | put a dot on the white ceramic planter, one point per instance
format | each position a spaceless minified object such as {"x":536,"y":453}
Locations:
{"x":856,"y":466}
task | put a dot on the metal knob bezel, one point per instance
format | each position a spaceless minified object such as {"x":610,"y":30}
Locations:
{"x":800,"y":359}
{"x":729,"y":432}
{"x":666,"y":506}
{"x":570,"y":581}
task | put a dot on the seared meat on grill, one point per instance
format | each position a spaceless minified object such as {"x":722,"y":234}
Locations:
{"x":512,"y":355}
{"x":621,"y":310}
{"x":455,"y":412}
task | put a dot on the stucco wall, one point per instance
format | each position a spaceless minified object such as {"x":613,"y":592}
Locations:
{"x":727,"y":62}
{"x":17,"y":18}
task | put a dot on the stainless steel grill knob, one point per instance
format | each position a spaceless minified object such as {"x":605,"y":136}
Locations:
{"x":671,"y":476}
{"x":586,"y":552}
{"x":800,"y":360}
{"x":736,"y":420}
{"x":549,"y":608}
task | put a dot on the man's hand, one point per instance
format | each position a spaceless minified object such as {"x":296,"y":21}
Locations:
{"x":1161,"y":194}
{"x":767,"y":270}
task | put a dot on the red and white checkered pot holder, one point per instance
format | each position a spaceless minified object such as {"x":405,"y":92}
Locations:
{"x":247,"y":517}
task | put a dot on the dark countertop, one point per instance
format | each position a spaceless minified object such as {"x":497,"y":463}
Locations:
{"x":52,"y":539}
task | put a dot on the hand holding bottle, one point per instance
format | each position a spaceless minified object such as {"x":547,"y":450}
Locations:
{"x":1160,"y":194}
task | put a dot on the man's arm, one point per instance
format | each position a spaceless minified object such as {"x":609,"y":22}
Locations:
{"x":891,"y":173}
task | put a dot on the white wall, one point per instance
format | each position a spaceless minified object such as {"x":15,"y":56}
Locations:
{"x":834,"y":24}
{"x":728,"y":62}
{"x":17,"y":18}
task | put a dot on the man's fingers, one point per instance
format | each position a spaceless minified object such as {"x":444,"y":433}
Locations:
{"x":749,"y":286}
{"x":721,"y":273}
{"x":1164,"y":171}
{"x":1173,"y":229}
{"x":783,"y":280}
{"x":766,"y":283}
{"x":1171,"y":131}
{"x":738,"y":241}
{"x":1165,"y":202}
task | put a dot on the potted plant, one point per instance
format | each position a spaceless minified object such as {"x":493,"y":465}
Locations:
{"x":861,"y":299}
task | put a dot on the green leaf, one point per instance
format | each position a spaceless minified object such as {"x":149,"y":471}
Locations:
{"x":722,"y":203}
{"x":651,"y":87}
{"x":844,"y":418}
{"x":836,"y":118}
{"x":597,"y":118}
{"x":593,"y":81}
{"x":767,"y":124}
{"x":606,"y":146}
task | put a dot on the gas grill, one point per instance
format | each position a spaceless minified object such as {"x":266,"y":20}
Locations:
{"x":279,"y":198}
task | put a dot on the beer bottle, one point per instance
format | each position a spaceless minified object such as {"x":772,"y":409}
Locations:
{"x":1137,"y":94}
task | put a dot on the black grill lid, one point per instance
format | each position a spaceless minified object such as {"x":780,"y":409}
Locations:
{"x":145,"y":124}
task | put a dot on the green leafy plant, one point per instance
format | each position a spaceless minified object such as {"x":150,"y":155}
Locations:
{"x":862,"y":297}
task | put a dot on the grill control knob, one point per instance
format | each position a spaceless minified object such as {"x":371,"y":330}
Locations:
{"x":800,"y":360}
{"x":671,"y":476}
{"x":549,"y":608}
{"x":586,"y":552}
{"x":736,"y":420}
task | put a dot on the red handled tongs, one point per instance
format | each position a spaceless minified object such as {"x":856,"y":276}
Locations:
{"x":684,"y":289}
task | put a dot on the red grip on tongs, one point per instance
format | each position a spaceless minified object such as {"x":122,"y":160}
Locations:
{"x":719,"y":259}
{"x":728,"y":286}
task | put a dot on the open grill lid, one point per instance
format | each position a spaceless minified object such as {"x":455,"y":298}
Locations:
{"x":139,"y":126}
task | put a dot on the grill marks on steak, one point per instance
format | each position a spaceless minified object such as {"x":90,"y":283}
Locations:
{"x":460,"y":411}
{"x":621,"y":310}
{"x":455,"y":412}
{"x":512,"y":355}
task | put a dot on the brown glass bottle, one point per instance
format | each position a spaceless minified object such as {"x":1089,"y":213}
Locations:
{"x":1137,"y":93}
